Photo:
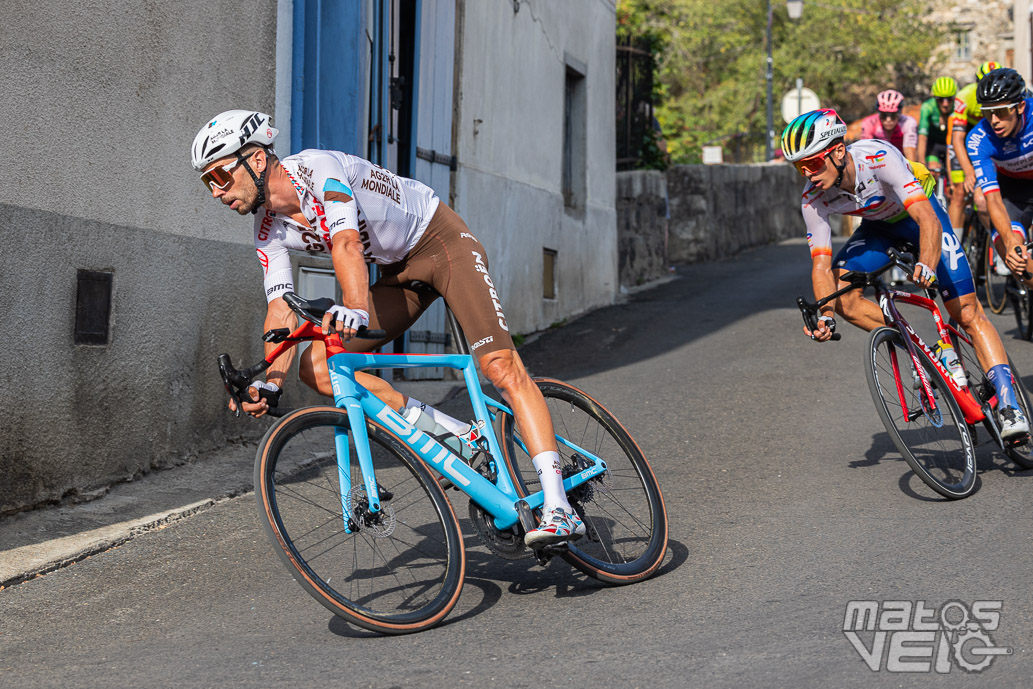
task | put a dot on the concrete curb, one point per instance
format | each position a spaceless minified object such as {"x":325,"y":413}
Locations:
{"x":40,"y":541}
{"x":20,"y":564}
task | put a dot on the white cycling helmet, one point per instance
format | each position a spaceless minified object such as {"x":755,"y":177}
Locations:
{"x":228,"y":132}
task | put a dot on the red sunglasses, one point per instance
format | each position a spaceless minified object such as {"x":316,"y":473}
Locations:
{"x":220,"y":176}
{"x":814,"y":164}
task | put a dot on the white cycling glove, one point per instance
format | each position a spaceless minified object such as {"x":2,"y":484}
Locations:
{"x":272,"y":395}
{"x":927,"y":273}
{"x":349,"y":318}
{"x":262,"y":385}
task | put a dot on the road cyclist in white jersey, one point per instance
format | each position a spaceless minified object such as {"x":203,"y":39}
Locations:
{"x":342,"y":206}
{"x":873,"y":180}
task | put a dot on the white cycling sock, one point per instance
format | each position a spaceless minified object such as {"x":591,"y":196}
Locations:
{"x":436,"y":416}
{"x":547,"y":464}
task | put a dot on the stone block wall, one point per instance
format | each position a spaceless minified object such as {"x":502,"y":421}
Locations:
{"x":719,"y":210}
{"x":641,"y":226}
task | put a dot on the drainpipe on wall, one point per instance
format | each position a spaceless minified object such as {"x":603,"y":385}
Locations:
{"x":457,"y":99}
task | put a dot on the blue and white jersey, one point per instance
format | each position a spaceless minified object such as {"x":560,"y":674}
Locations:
{"x":337,"y":191}
{"x":1010,"y":157}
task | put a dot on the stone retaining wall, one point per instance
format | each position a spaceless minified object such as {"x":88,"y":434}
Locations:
{"x":715,"y":211}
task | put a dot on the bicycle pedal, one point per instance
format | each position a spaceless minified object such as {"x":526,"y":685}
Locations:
{"x":545,"y":553}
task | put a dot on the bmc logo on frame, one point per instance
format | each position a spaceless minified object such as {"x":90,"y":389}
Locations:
{"x":906,"y":636}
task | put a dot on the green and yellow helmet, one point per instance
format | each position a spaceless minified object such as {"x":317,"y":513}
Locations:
{"x":810,"y":133}
{"x":986,"y":68}
{"x":944,"y":87}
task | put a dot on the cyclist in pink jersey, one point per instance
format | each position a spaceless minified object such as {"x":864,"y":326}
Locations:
{"x":355,"y":212}
{"x":889,"y":124}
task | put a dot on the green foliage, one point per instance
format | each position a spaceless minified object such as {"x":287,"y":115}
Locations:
{"x":518,"y":340}
{"x":712,"y":58}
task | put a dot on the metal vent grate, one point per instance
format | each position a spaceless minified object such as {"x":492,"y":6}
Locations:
{"x":92,"y":307}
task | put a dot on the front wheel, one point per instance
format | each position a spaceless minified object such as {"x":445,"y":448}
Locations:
{"x":932,"y":435}
{"x":623,"y":509}
{"x":400,"y":569}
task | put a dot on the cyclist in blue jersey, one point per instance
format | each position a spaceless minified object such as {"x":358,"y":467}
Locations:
{"x":873,"y":180}
{"x":1001,"y":150}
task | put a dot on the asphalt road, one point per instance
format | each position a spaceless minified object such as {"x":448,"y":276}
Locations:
{"x":786,"y":501}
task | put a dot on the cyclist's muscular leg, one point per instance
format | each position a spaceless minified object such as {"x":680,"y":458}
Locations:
{"x":857,"y":310}
{"x":968,"y":312}
{"x":313,"y":372}
{"x":506,"y":372}
{"x":956,"y":207}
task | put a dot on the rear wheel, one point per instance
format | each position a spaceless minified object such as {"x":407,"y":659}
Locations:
{"x":400,"y":569}
{"x":932,"y":435}
{"x":996,"y":285}
{"x":972,"y":242}
{"x":1022,"y":302}
{"x":1020,"y":452}
{"x":623,"y":510}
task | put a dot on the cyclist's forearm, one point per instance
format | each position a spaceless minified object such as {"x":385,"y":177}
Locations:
{"x":961,"y":154}
{"x":930,"y":233}
{"x":824,"y":283}
{"x":1001,"y":222}
{"x":352,"y":273}
{"x":923,"y":145}
{"x":279,"y":315}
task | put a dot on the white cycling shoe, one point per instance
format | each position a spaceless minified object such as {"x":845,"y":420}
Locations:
{"x":1013,"y":423}
{"x":556,"y":526}
{"x":1000,"y":267}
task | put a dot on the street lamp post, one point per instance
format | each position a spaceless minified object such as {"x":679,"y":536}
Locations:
{"x":771,"y":122}
{"x":795,"y":9}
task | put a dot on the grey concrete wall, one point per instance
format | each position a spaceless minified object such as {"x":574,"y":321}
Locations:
{"x":642,"y":226}
{"x":509,"y":143}
{"x":719,"y":210}
{"x":101,"y":103}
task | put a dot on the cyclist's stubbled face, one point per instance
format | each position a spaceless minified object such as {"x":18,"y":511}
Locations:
{"x":1005,"y":121}
{"x":241,"y":193}
{"x":945,"y":105}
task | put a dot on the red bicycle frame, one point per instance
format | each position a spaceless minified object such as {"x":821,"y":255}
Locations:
{"x":970,"y":406}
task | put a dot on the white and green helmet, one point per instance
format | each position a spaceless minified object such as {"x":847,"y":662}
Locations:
{"x":811,"y":133}
{"x":228,"y":132}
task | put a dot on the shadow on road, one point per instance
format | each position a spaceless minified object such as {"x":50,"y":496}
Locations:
{"x":988,"y":458}
{"x":656,"y":321}
{"x":487,"y":574}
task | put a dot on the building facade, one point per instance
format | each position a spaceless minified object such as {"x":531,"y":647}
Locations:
{"x":980,"y":30}
{"x":123,"y":281}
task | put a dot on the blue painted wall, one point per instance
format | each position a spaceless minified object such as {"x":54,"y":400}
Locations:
{"x":328,"y":104}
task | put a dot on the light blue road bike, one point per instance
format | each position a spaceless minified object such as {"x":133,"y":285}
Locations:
{"x":351,"y":497}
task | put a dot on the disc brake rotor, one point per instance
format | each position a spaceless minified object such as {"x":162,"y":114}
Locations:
{"x":380,"y":524}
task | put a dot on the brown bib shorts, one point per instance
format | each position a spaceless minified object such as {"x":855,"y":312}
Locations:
{"x":452,"y":261}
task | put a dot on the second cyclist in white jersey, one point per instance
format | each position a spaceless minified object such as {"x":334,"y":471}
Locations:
{"x":871,"y":179}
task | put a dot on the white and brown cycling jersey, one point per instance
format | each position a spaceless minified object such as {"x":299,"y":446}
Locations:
{"x":338,"y":191}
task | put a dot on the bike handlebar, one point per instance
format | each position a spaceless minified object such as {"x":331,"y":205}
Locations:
{"x":237,"y":381}
{"x":897,"y":259}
